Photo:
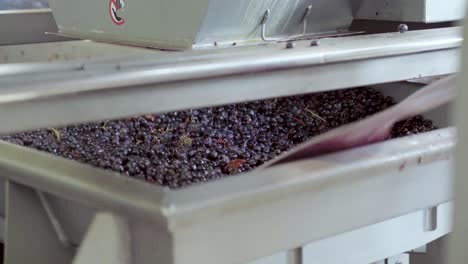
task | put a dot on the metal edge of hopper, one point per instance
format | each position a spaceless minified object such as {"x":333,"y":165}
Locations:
{"x":187,"y":212}
{"x":316,"y":195}
{"x":105,"y":190}
{"x":179,"y":210}
{"x":269,"y":56}
{"x":96,"y":188}
{"x":387,"y":154}
{"x":119,"y":78}
{"x":224,"y":209}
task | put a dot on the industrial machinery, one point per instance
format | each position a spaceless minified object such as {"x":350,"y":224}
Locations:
{"x":383,"y":203}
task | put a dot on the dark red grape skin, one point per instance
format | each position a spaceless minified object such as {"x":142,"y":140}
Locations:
{"x":188,"y":147}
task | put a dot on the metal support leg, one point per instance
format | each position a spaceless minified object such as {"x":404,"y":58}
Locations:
{"x":295,"y":256}
{"x":112,"y":239}
{"x":430,"y":219}
{"x":107,"y":241}
{"x":59,"y":230}
{"x":30,"y":237}
{"x":400,"y":259}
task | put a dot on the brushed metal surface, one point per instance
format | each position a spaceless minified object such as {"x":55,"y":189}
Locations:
{"x":238,"y":22}
{"x":26,"y":26}
{"x":159,"y":23}
{"x":77,"y":50}
{"x":178,"y":24}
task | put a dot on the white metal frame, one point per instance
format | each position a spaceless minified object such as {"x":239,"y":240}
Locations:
{"x":242,"y":217}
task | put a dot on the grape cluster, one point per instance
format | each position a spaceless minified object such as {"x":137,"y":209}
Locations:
{"x":181,"y":148}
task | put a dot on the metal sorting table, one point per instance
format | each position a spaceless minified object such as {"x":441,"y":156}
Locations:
{"x":292,"y":210}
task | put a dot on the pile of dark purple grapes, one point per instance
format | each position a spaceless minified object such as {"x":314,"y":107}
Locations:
{"x":182,"y":148}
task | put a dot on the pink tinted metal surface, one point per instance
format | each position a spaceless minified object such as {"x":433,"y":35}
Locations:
{"x":375,"y":128}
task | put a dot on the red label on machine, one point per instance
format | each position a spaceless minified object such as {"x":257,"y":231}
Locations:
{"x":115,"y":5}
